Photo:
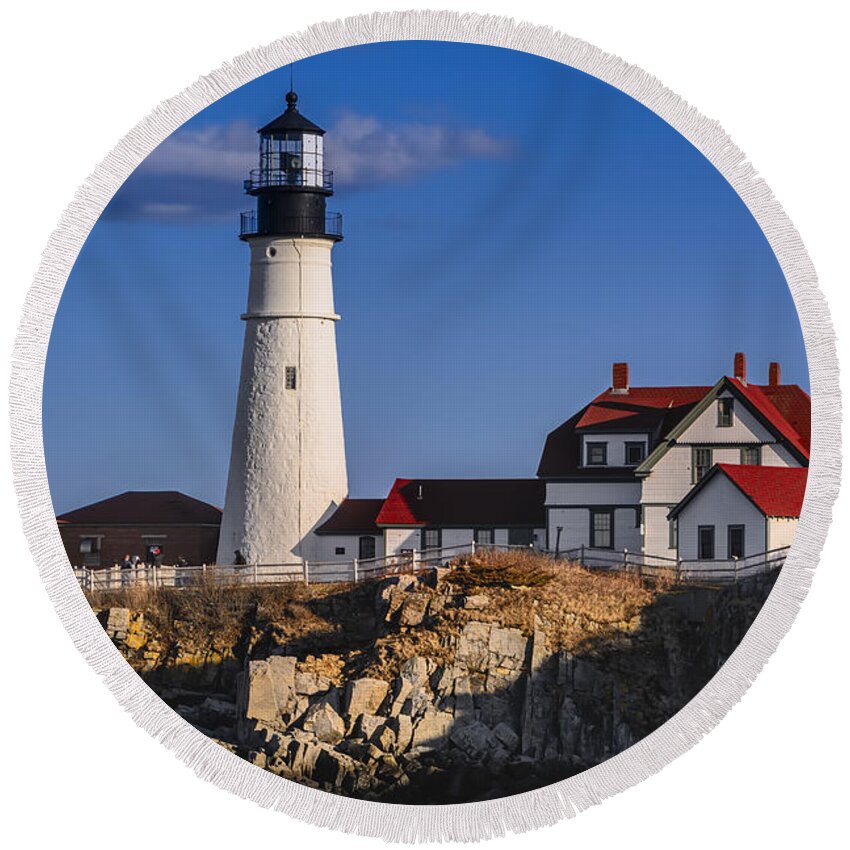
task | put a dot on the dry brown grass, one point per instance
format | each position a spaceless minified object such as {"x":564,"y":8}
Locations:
{"x":491,"y":568}
{"x":574,"y":605}
{"x":207,"y":611}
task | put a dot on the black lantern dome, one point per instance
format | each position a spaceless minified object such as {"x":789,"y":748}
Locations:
{"x":291,"y":185}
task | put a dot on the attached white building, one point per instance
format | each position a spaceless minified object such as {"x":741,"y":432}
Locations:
{"x":424,"y":514}
{"x":636,"y":469}
{"x":616,"y":469}
{"x":740,"y":512}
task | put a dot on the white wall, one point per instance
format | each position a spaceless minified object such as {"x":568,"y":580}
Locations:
{"x":396,"y":539}
{"x":593,"y":493}
{"x":287,"y":464}
{"x":327,"y":544}
{"x":411,"y":538}
{"x":721,"y":504}
{"x":575,"y":528}
{"x":656,"y":531}
{"x":780,"y":531}
{"x":745,"y":427}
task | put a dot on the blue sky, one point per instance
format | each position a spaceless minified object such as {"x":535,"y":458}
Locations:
{"x":512,"y":227}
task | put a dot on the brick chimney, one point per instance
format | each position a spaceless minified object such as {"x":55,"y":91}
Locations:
{"x":620,"y":378}
{"x":741,"y":366}
{"x":774,"y":375}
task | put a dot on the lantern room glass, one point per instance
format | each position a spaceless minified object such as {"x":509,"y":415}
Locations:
{"x":291,"y":159}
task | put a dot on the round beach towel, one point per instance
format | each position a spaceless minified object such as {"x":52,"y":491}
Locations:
{"x":427,"y":419}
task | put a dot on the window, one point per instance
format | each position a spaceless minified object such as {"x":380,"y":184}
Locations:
{"x":90,"y":550}
{"x":340,"y":550}
{"x":483,"y":536}
{"x":724,"y":412}
{"x":635,"y":453}
{"x":701,"y":463}
{"x":291,"y":378}
{"x":520,"y":536}
{"x":735,"y":541}
{"x":638,"y":516}
{"x":602,"y":529}
{"x":89,"y":545}
{"x":673,"y":533}
{"x":597,"y":454}
{"x":705,"y":543}
{"x":751,"y":455}
{"x":367,"y":548}
{"x":432,"y":538}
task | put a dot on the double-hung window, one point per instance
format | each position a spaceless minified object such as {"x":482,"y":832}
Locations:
{"x":484,"y":536}
{"x":724,"y":412}
{"x":432,"y":538}
{"x":635,"y":453}
{"x":601,"y":528}
{"x":673,"y":533}
{"x":597,"y":454}
{"x":751,"y":455}
{"x":701,"y":462}
{"x":735,"y":541}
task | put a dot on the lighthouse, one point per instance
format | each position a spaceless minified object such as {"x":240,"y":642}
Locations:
{"x":287,"y":460}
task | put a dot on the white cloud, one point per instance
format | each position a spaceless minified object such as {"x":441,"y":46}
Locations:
{"x":166,"y":210}
{"x":217,"y":152}
{"x":360,"y":149}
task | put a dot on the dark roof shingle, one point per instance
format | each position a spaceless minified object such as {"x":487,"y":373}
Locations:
{"x":353,"y":516}
{"x":465,"y":503}
{"x":145,"y":507}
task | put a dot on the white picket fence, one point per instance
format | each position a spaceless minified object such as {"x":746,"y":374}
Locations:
{"x":720,"y":571}
{"x":308,"y":572}
{"x":334,"y":572}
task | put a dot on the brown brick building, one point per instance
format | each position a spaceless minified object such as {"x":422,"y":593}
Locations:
{"x":140,"y":523}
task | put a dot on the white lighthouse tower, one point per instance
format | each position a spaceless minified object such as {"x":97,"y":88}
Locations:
{"x":287,"y":461}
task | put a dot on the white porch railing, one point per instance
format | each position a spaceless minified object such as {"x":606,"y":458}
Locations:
{"x":308,"y":572}
{"x":722,"y":571}
{"x":335,"y":572}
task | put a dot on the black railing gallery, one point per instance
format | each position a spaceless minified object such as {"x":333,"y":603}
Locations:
{"x":271,"y":178}
{"x":328,"y":225}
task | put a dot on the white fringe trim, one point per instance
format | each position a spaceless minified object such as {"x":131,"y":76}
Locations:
{"x":471,"y":821}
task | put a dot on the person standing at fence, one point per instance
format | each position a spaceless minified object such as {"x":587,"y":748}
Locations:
{"x":126,"y":570}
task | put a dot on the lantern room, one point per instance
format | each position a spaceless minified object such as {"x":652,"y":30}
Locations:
{"x":291,"y":184}
{"x":291,"y":154}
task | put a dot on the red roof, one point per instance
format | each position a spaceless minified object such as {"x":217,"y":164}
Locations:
{"x":465,"y":503}
{"x":777,"y":491}
{"x":353,"y":516}
{"x":145,"y":507}
{"x":657,"y":410}
{"x":787,"y":405}
{"x":640,"y":403}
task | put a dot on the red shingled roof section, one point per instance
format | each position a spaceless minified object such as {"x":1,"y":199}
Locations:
{"x":465,"y":503}
{"x":353,"y":516}
{"x":639,"y":402}
{"x":145,"y":507}
{"x":795,"y":406}
{"x":767,"y":405}
{"x":777,"y":491}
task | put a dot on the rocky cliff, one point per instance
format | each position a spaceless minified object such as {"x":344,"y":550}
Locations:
{"x":438,"y":688}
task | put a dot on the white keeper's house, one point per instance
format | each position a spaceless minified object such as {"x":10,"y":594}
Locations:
{"x":700,"y":473}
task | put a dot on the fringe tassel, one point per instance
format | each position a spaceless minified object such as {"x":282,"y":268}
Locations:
{"x":472,"y":821}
